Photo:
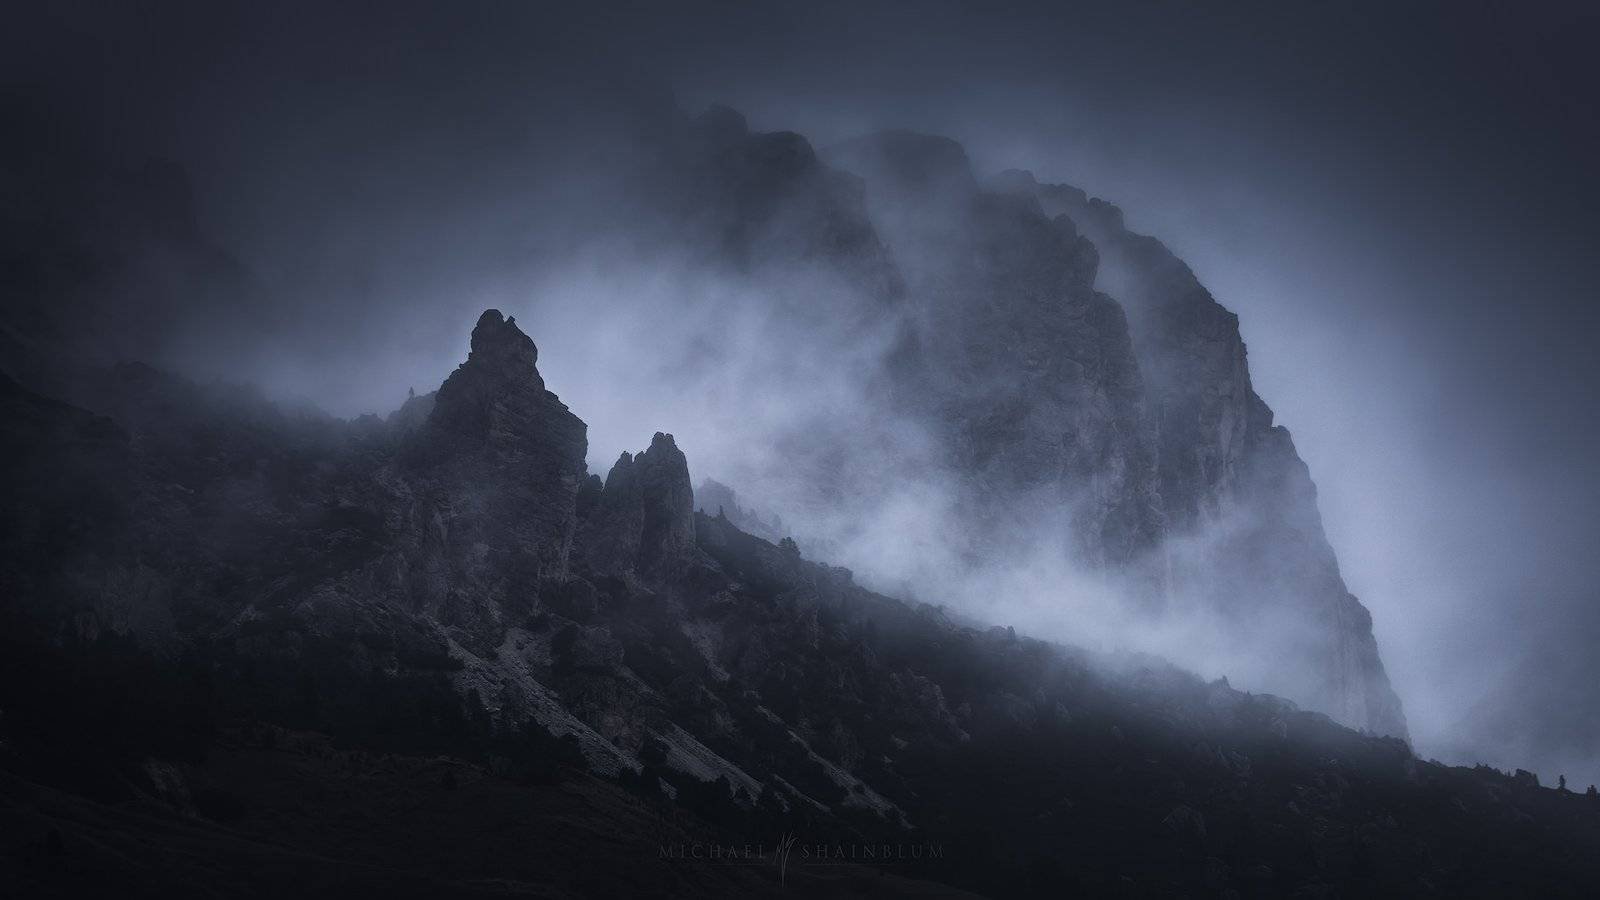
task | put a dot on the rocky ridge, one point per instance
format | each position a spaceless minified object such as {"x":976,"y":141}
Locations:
{"x":357,"y":578}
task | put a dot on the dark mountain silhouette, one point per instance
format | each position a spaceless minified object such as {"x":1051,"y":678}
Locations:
{"x":430,"y":655}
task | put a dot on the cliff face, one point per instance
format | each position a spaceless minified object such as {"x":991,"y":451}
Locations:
{"x":641,"y":522}
{"x":1023,"y":370}
{"x":1225,"y":467}
{"x":1081,"y":373}
{"x":1065,"y":382}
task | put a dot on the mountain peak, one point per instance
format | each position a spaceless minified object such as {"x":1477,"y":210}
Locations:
{"x":502,"y":358}
{"x":498,"y":343}
{"x":644,"y":519}
{"x":498,"y":391}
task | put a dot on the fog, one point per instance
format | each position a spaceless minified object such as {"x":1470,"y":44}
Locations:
{"x":1397,"y":203}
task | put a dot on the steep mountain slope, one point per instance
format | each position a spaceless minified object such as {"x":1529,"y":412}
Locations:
{"x":1224,"y":465}
{"x":1087,"y":382}
{"x":449,"y":598}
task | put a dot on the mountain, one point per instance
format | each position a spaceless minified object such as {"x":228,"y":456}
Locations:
{"x":1075,"y":369}
{"x":1222,"y":458}
{"x":976,"y":377}
{"x":432,"y":655}
{"x":987,"y":377}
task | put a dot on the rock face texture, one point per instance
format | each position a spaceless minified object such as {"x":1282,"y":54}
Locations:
{"x":1222,"y":459}
{"x":642,"y":521}
{"x":496,"y":467}
{"x":1081,"y":374}
{"x":1026,"y":370}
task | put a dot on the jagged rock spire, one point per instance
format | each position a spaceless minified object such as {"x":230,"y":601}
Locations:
{"x":498,"y":391}
{"x":643,"y":521}
{"x":500,"y":347}
{"x":496,"y":436}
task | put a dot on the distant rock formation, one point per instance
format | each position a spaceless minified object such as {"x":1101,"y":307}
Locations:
{"x":643,"y":519}
{"x":1080,"y":369}
{"x":1073,"y":380}
{"x":1025,"y":368}
{"x":718,"y":500}
{"x":1224,"y":465}
{"x":494,"y":473}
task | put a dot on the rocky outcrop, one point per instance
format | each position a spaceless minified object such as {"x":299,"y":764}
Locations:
{"x":666,"y":538}
{"x":1084,"y":381}
{"x":1022,"y":365}
{"x":498,"y":465}
{"x":1229,"y":478}
{"x":642,"y":521}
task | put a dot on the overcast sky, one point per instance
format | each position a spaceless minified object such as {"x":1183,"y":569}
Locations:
{"x":1397,"y":199}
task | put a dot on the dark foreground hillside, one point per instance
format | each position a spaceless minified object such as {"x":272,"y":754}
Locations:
{"x":248,"y":652}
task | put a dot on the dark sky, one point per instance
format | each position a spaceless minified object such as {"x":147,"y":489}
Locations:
{"x":1397,"y":199}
